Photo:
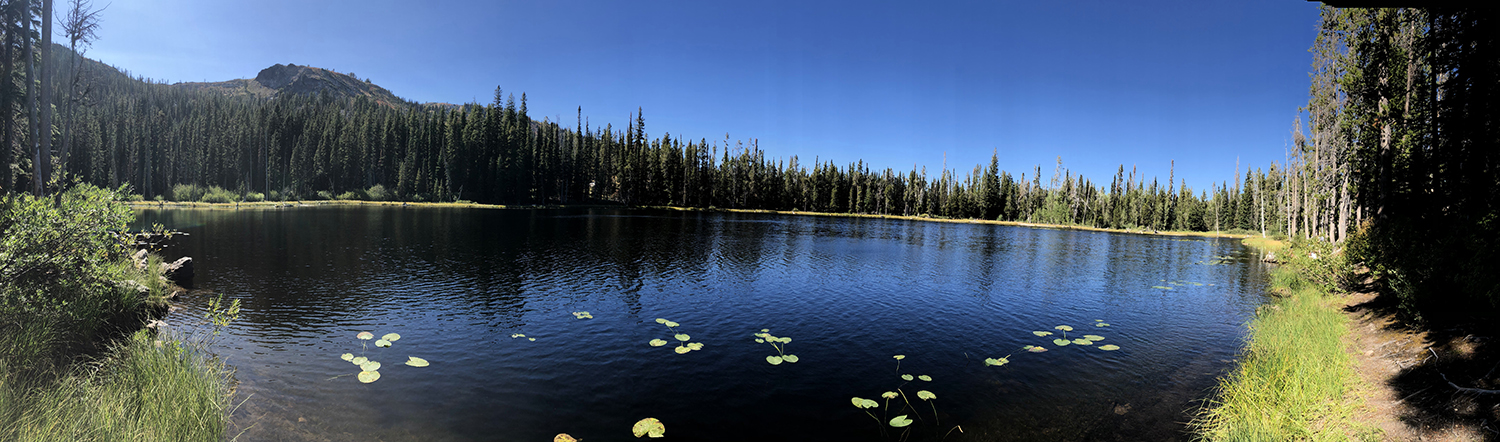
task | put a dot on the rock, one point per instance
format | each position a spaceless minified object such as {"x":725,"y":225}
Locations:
{"x":1270,"y":258}
{"x":139,"y":258}
{"x":179,"y":272}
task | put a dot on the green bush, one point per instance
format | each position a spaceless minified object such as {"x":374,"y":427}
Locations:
{"x":324,"y":195}
{"x":377,"y":193}
{"x":254,"y":197}
{"x":187,"y":192}
{"x":349,"y":196}
{"x":217,"y":194}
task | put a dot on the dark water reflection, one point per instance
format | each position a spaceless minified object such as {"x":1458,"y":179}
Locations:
{"x":457,"y":283}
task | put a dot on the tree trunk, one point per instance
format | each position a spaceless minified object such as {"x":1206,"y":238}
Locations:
{"x":36,"y":149}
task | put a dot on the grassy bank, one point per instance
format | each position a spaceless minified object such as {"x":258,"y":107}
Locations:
{"x":1295,"y":379}
{"x":75,"y":363}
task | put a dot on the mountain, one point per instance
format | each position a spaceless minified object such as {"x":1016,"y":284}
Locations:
{"x":293,"y":79}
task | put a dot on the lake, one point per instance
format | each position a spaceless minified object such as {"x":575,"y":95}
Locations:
{"x":458,"y":283}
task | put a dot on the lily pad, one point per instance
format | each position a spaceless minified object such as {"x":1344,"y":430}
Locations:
{"x":370,"y":366}
{"x":1109,"y":347}
{"x":1064,"y":327}
{"x":347,"y":356}
{"x":907,"y":377}
{"x":391,"y":337}
{"x":698,"y":346}
{"x":899,"y":357}
{"x":564,"y":437}
{"x":657,"y":342}
{"x":900,"y":421}
{"x":359,"y":360}
{"x":1061,"y":342}
{"x":787,"y":340}
{"x":774,"y":360}
{"x":517,"y":335}
{"x":1102,"y":324}
{"x":1081,"y":341}
{"x":531,"y":339}
{"x":1037,"y":349}
{"x":682,"y":350}
{"x":382,"y":343}
{"x":925,"y":378}
{"x":682,"y":337}
{"x":661,"y":321}
{"x":1042,"y":333}
{"x":1161,"y":287}
{"x":760,"y":341}
{"x":583,"y":315}
{"x":789,"y":358}
{"x":765,"y":330}
{"x":864,"y":403}
{"x":889,"y":395}
{"x":368,"y":376}
{"x":648,"y":427}
{"x":996,"y":362}
{"x":365,"y":335}
{"x":1093,"y":337}
{"x":670,"y":324}
{"x":925,"y":395}
{"x":416,"y":361}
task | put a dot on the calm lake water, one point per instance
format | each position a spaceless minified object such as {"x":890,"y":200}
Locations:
{"x":456,"y":284}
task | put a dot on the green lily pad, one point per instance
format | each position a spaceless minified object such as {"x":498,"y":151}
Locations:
{"x":996,"y":362}
{"x":657,"y":342}
{"x":899,"y":357}
{"x":760,"y":341}
{"x":583,"y":315}
{"x":531,"y":339}
{"x":682,"y":337}
{"x":1098,"y":320}
{"x":564,"y":437}
{"x":925,"y":378}
{"x":370,"y":366}
{"x":648,"y":427}
{"x":889,"y":395}
{"x":907,"y":377}
{"x":765,"y":330}
{"x":1081,"y":341}
{"x":925,"y":395}
{"x":900,"y":421}
{"x":517,"y":335}
{"x":1102,"y":324}
{"x":789,"y":358}
{"x":1109,"y":347}
{"x":359,"y":360}
{"x":365,"y":335}
{"x":1093,"y":337}
{"x":1161,"y":287}
{"x":682,"y":350}
{"x":698,"y":346}
{"x":670,"y":324}
{"x":1064,"y":327}
{"x":391,"y":337}
{"x":1061,"y":342}
{"x":1037,"y":349}
{"x":661,"y":321}
{"x":347,"y":356}
{"x":1042,"y":333}
{"x":416,"y":361}
{"x":786,"y":340}
{"x":774,"y":360}
{"x":864,"y":403}
{"x":368,"y":376}
{"x":382,"y":343}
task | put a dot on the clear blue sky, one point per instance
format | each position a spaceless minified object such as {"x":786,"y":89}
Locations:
{"x":897,"y":84}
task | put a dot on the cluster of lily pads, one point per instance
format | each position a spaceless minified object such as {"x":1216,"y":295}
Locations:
{"x":902,"y":420}
{"x":583,"y":315}
{"x":369,"y":370}
{"x":683,"y":345}
{"x":779,"y":343}
{"x":1064,"y":341}
{"x":521,"y":335}
{"x":1171,"y":284}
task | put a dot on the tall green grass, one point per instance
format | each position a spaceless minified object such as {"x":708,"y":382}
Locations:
{"x":1295,"y":381}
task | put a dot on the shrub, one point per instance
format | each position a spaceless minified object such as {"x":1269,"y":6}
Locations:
{"x":255,"y":197}
{"x":217,"y":194}
{"x":350,"y":196}
{"x":377,"y":193}
{"x":324,"y":195}
{"x":187,"y":192}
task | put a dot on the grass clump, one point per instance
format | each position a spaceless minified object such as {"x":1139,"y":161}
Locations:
{"x":1295,"y":381}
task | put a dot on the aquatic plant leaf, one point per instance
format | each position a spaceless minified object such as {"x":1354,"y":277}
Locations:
{"x":925,"y":378}
{"x":765,"y":330}
{"x":889,"y":395}
{"x":391,"y":337}
{"x":1042,"y":333}
{"x":661,"y":320}
{"x":370,"y":366}
{"x":1093,"y":337}
{"x":1098,"y":320}
{"x":682,"y":337}
{"x":1064,"y":328}
{"x":657,"y":342}
{"x":864,"y":403}
{"x":531,"y":339}
{"x":583,"y":315}
{"x":1081,"y":341}
{"x":786,"y":340}
{"x":648,"y":427}
{"x":416,"y":361}
{"x":368,"y":376}
{"x":695,"y":345}
{"x":359,"y":360}
{"x":900,"y":421}
{"x":517,"y":335}
{"x":1161,"y":287}
{"x":925,"y":395}
{"x":365,"y":335}
{"x":760,"y":341}
{"x":347,"y":356}
{"x":1109,"y":347}
{"x":899,"y":357}
{"x":1102,"y":324}
{"x":1061,"y":342}
{"x":791,"y":359}
{"x":682,"y":350}
{"x":671,"y":324}
{"x":774,"y":360}
{"x":564,"y":437}
{"x":907,"y":377}
{"x":1036,"y":349}
{"x":382,"y":343}
{"x":996,"y":362}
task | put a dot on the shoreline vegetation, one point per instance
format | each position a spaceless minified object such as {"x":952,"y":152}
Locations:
{"x":198,"y":205}
{"x":77,"y":359}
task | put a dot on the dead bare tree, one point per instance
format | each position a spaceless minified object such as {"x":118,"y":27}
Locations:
{"x":80,"y":26}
